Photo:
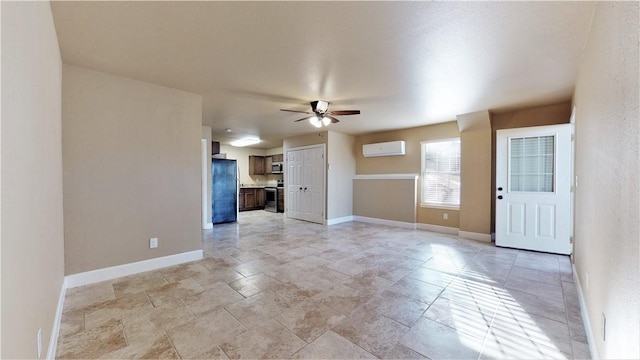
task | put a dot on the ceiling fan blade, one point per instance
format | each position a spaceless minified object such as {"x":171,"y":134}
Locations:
{"x":345,"y":112}
{"x":304,"y":118}
{"x":333,"y":120}
{"x":296,"y":111}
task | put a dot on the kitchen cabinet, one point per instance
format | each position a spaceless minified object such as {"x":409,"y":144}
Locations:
{"x":256,"y":165}
{"x":277,"y":158}
{"x":280,"y":202}
{"x":260,"y":198}
{"x":251,"y":199}
{"x":241,"y":205}
{"x":268,"y":160}
{"x":215,"y":147}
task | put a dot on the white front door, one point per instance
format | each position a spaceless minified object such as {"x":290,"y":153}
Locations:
{"x":305,"y":184}
{"x":533,"y":184}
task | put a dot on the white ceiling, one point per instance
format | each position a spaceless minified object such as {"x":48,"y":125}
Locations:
{"x":403,"y":64}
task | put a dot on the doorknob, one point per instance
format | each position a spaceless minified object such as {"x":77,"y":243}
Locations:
{"x":499,"y":197}
{"x":500,"y":188}
{"x":305,"y":189}
{"x":301,"y":189}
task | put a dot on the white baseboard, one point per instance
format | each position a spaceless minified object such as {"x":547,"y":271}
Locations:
{"x":340,"y":220}
{"x":437,"y":228}
{"x":55,"y":329}
{"x":113,"y":272}
{"x":475,"y":236}
{"x":207,"y":226}
{"x":427,"y":227}
{"x":401,"y":224}
{"x":591,"y":340}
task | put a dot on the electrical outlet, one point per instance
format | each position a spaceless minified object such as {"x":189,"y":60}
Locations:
{"x":604,"y":327}
{"x":39,"y":342}
{"x":153,"y":243}
{"x":445,"y":216}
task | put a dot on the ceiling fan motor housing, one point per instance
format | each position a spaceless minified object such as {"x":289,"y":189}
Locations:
{"x":319,"y":106}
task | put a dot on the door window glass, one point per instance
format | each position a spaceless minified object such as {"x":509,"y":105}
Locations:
{"x":531,"y":162}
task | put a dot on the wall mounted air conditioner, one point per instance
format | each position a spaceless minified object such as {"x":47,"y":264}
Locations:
{"x":391,"y":148}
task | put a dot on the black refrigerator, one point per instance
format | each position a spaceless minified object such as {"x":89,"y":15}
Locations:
{"x":224,"y":191}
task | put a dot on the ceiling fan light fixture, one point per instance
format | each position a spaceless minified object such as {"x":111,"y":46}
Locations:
{"x":319,"y":115}
{"x":315,"y":121}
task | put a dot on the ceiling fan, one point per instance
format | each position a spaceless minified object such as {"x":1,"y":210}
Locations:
{"x":320,"y":115}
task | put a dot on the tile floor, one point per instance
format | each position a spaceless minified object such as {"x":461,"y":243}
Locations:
{"x":270,"y":287}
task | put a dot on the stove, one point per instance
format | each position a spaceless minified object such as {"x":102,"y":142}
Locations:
{"x":271,"y":199}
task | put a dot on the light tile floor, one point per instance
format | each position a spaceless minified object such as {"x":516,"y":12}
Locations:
{"x":270,"y":287}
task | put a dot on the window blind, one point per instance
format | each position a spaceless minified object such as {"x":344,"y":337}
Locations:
{"x":531,"y":162}
{"x":441,"y":173}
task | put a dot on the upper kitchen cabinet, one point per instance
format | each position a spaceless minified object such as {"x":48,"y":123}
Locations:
{"x":256,"y":165}
{"x":268,"y":160}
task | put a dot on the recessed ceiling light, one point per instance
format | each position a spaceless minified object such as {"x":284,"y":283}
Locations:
{"x":245,"y":142}
{"x":227,"y":130}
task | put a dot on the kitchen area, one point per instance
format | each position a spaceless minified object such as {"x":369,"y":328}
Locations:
{"x":263,"y":194}
{"x":245,"y":179}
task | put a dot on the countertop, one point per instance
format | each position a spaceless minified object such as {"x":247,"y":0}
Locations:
{"x":260,"y":186}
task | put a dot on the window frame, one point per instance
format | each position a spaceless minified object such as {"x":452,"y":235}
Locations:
{"x":422,"y":174}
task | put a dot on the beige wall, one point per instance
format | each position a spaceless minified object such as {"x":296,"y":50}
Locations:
{"x":388,"y":199}
{"x":341,"y":169}
{"x":275,"y":151}
{"x":305,"y":140}
{"x":409,"y":163}
{"x":241,"y":154}
{"x":206,"y":134}
{"x":132,"y":169}
{"x":475,"y":172}
{"x":533,"y":116}
{"x":607,"y":165}
{"x":32,"y":221}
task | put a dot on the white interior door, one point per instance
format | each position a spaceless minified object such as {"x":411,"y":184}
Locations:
{"x":295,"y":162}
{"x":533,"y":170}
{"x":313,"y":189}
{"x":305,"y":184}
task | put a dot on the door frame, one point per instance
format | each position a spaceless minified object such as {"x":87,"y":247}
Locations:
{"x":574,"y":182}
{"x":205,"y":194}
{"x":324,"y":175}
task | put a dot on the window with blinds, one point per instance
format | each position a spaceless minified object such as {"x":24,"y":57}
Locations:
{"x":441,"y":173}
{"x":531,"y":162}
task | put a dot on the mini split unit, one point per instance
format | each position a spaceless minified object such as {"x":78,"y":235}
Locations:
{"x":391,"y":148}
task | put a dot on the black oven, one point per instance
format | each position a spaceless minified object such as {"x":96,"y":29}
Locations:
{"x":271,"y":199}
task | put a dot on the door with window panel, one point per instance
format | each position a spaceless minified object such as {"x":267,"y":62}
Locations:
{"x":533,"y":188}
